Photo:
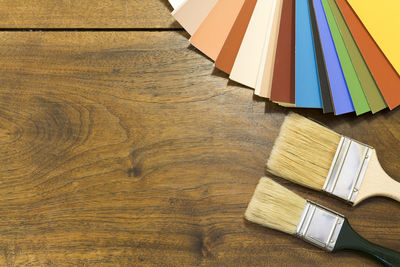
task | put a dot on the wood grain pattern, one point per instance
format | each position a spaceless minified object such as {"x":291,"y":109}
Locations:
{"x":128,"y":148}
{"x":86,"y":14}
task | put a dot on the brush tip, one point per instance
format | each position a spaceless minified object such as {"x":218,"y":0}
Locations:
{"x":303,"y":152}
{"x":275,"y":206}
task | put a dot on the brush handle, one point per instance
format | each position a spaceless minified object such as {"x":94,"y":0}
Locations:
{"x":349,"y":239}
{"x":377,"y":183}
{"x":383,"y":186}
{"x":392,"y":189}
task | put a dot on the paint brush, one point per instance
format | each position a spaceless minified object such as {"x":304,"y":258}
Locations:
{"x":314,"y":156}
{"x":276,"y":207}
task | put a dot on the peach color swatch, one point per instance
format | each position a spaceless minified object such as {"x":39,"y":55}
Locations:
{"x":192,"y":13}
{"x":231,"y":47}
{"x":212,"y":33}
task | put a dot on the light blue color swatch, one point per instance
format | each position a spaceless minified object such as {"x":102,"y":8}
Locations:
{"x":308,"y":93}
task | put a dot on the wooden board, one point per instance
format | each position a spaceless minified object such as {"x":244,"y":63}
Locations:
{"x":128,"y":148}
{"x":86,"y":14}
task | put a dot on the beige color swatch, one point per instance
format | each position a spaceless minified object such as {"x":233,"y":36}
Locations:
{"x":248,"y":61}
{"x":191,"y":13}
{"x":212,"y":33}
{"x":266,"y":71}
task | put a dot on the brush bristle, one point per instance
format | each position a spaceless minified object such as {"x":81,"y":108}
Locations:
{"x":275,"y":207}
{"x":303,"y":152}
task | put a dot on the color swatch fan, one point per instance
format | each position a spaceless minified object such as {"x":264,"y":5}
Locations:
{"x":340,"y":56}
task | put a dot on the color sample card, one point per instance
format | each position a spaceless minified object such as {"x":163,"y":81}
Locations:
{"x":212,"y":33}
{"x":176,"y":3}
{"x":382,"y":20}
{"x":248,"y":60}
{"x":283,"y":83}
{"x":308,"y":93}
{"x":340,"y":95}
{"x":229,"y":51}
{"x":266,"y":71}
{"x":371,"y":91}
{"x":303,"y":53}
{"x":324,"y":86}
{"x":356,"y":92}
{"x":192,"y":13}
{"x":383,"y":72}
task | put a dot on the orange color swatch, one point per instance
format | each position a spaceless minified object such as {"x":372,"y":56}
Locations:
{"x":231,"y":47}
{"x":212,"y":33}
{"x":383,"y":72}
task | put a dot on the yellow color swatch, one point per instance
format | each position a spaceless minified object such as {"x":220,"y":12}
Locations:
{"x":382,"y":20}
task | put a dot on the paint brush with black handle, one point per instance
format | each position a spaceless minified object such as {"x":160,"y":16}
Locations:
{"x":276,"y":207}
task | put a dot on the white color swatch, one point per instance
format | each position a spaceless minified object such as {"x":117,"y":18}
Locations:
{"x":176,"y":3}
{"x":265,"y":74}
{"x":248,"y":61}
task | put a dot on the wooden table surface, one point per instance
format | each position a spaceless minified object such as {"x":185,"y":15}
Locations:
{"x":128,"y":148}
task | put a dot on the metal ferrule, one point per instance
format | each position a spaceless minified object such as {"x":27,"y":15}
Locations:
{"x":348,"y":169}
{"x":320,"y":226}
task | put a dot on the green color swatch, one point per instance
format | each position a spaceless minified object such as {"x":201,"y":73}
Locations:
{"x":371,"y":90}
{"x":356,"y":92}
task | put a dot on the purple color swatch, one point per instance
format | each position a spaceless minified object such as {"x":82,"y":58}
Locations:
{"x":340,"y":93}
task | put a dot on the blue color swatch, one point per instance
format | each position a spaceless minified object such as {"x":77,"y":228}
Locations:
{"x":339,"y":91}
{"x":308,"y":93}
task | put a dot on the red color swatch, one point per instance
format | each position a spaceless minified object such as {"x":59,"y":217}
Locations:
{"x":283,"y":82}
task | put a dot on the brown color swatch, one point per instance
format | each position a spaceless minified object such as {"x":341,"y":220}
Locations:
{"x":384,"y":74}
{"x":231,"y":47}
{"x":212,"y":33}
{"x":283,"y":83}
